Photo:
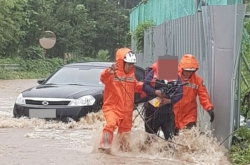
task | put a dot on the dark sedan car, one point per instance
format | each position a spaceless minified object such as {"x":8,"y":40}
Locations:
{"x":71,"y":92}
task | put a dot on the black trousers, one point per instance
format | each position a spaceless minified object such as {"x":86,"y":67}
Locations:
{"x":160,"y":118}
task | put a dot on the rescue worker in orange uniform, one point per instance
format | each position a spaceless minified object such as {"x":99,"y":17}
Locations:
{"x":186,"y":109}
{"x":118,"y":99}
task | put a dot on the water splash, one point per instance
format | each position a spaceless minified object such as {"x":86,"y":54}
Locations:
{"x":199,"y":148}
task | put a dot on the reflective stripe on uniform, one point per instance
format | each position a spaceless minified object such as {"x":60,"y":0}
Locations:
{"x":192,"y":85}
{"x":131,"y":79}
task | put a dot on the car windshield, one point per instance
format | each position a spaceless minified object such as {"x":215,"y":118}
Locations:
{"x":77,"y":75}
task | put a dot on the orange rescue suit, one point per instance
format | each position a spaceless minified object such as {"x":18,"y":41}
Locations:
{"x":118,"y":99}
{"x":186,"y":109}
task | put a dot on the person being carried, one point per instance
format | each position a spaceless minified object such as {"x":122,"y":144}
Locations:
{"x":186,"y":109}
{"x":118,"y":98}
{"x":163,"y":116}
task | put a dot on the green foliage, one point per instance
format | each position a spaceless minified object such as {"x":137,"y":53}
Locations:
{"x":112,"y":24}
{"x":81,"y":26}
{"x":33,"y":52}
{"x":76,"y":59}
{"x":239,"y":154}
{"x":12,"y":18}
{"x":139,"y":34}
{"x":245,"y":70}
{"x":32,"y":68}
{"x":74,"y":29}
{"x":128,"y":39}
{"x":9,"y":74}
{"x":245,"y":105}
{"x":10,"y":60}
{"x":103,"y":55}
{"x":41,"y":65}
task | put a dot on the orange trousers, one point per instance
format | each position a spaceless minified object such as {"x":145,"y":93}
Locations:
{"x":121,"y":120}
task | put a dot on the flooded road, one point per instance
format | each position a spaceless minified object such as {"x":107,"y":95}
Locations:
{"x":35,"y":141}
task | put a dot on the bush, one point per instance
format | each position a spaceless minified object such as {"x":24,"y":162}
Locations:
{"x":40,"y":67}
{"x":139,"y":34}
{"x":103,"y":55}
{"x":239,"y":153}
{"x":33,"y":68}
{"x":33,"y":52}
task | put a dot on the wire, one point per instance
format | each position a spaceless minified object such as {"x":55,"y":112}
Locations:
{"x":232,"y":134}
{"x":228,"y":136}
{"x":142,"y":117}
{"x":154,"y":114}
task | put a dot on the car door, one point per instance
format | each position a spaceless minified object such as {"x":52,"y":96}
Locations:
{"x":140,"y":76}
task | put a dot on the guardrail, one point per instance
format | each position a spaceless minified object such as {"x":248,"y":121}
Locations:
{"x":10,"y":66}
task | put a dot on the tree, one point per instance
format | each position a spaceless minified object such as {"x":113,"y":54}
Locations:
{"x":12,"y":18}
{"x":82,"y":27}
{"x":112,"y":24}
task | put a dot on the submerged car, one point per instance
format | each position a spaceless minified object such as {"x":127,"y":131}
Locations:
{"x":72,"y":91}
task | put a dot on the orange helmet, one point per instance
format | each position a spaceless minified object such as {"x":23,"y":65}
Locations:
{"x":188,"y":62}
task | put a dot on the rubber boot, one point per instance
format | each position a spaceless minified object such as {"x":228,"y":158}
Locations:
{"x":106,"y":142}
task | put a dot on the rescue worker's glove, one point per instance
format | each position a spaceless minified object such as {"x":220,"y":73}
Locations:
{"x":211,"y":114}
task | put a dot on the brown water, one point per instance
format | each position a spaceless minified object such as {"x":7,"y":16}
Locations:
{"x":36,"y":141}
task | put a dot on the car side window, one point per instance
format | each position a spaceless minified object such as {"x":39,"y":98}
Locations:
{"x":139,"y":73}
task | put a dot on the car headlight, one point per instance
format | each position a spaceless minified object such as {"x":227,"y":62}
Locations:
{"x":83,"y":101}
{"x":20,"y":99}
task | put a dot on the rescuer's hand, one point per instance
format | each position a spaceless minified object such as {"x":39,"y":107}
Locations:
{"x":112,"y":69}
{"x":165,"y":101}
{"x":158,"y":93}
{"x":211,"y":114}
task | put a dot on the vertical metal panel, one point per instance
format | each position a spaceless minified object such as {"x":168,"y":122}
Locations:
{"x":224,"y":63}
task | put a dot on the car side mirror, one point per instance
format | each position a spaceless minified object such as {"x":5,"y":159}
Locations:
{"x":40,"y":81}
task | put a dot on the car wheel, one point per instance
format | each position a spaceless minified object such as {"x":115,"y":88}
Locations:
{"x":15,"y":115}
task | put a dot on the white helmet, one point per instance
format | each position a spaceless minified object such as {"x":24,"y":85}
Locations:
{"x":130,"y":57}
{"x":190,"y":69}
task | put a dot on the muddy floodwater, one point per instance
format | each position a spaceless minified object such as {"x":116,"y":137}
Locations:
{"x":37,"y":142}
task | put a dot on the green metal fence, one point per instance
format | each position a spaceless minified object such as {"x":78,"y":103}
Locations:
{"x":162,"y":10}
